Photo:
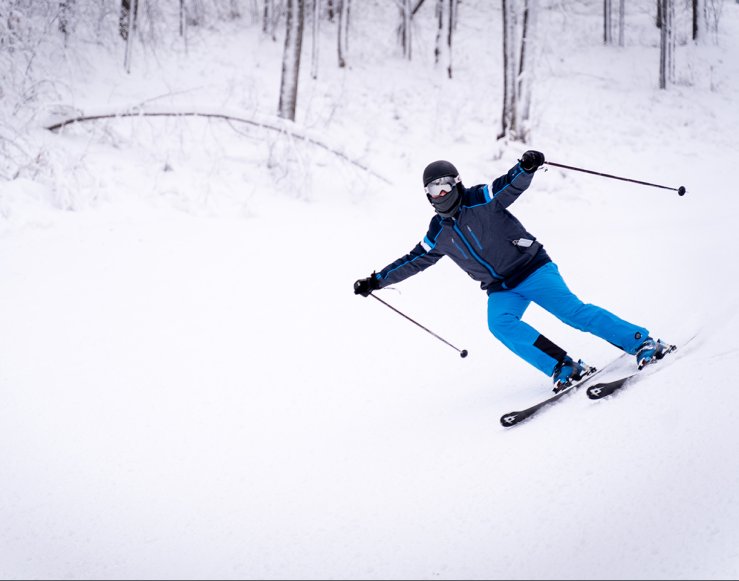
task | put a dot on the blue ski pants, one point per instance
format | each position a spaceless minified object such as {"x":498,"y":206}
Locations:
{"x":546,"y":288}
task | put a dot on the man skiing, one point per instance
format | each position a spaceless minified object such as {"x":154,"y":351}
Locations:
{"x":474,"y":228}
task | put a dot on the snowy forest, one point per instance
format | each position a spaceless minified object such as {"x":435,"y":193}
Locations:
{"x":190,"y":388}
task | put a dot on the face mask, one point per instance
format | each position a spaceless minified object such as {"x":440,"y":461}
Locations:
{"x":447,"y":205}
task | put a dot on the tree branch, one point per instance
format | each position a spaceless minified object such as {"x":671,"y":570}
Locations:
{"x":283,"y":127}
{"x":416,"y":7}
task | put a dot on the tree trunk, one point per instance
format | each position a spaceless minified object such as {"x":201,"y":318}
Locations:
{"x":439,"y":29}
{"x":696,"y":18}
{"x":667,"y":44}
{"x":510,"y":70}
{"x":65,"y":11}
{"x":406,"y":16}
{"x":446,"y":15}
{"x":291,"y":60}
{"x":314,"y":45}
{"x":130,"y":33}
{"x":450,"y":34}
{"x":607,"y":23}
{"x":621,"y":21}
{"x":343,"y":31}
{"x":127,"y":17}
{"x":519,"y":34}
{"x":525,"y":70}
{"x":269,"y":19}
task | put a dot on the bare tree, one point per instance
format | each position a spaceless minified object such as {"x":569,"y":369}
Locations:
{"x":127,"y":17}
{"x":404,"y":28}
{"x":439,"y":29}
{"x":271,"y":17}
{"x":695,"y":5}
{"x":314,"y":46}
{"x":65,"y":11}
{"x":291,"y":59}
{"x":519,"y":19}
{"x":446,"y":15}
{"x":607,"y":22}
{"x":453,"y":10}
{"x":526,"y":68}
{"x":343,"y":31}
{"x":713,"y":10}
{"x":508,"y":120}
{"x":130,"y":32}
{"x":667,"y":44}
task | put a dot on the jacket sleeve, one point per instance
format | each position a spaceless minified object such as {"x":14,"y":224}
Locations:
{"x":417,"y":260}
{"x":507,"y":188}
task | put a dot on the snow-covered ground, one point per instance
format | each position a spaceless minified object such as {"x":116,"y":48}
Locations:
{"x":190,"y":389}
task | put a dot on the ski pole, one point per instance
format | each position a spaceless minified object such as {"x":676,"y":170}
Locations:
{"x":462,"y":352}
{"x":680,"y":191}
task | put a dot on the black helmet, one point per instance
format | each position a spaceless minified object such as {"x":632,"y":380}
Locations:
{"x":448,"y":205}
{"x":438,"y":169}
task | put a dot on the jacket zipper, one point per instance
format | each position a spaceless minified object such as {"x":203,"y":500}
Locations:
{"x":474,"y":254}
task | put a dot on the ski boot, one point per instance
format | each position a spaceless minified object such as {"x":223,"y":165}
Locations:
{"x":568,"y":373}
{"x":652,"y":351}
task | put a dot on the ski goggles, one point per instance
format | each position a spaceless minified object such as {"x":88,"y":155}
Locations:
{"x":442,"y":186}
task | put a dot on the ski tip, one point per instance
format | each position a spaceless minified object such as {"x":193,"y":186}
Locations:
{"x":595,"y":392}
{"x":508,"y":420}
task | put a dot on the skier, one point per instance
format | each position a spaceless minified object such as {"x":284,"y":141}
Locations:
{"x":474,"y":228}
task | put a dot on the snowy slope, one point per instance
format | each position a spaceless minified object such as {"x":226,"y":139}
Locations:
{"x":190,"y":389}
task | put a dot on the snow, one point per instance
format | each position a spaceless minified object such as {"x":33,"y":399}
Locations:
{"x":190,"y":389}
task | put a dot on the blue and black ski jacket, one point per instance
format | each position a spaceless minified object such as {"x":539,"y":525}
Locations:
{"x":484,"y":239}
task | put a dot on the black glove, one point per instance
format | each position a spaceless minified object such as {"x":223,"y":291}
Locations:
{"x":364,"y":286}
{"x":531,"y":160}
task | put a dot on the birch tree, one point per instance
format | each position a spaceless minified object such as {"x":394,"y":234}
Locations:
{"x":343,"y":31}
{"x":65,"y":11}
{"x":446,"y":15}
{"x":314,"y":40}
{"x":404,"y":28}
{"x":291,"y":59}
{"x":508,"y":120}
{"x":607,"y":22}
{"x":526,"y":68}
{"x":712,"y":10}
{"x":439,"y":30}
{"x":519,"y":20}
{"x":127,"y":17}
{"x":270,"y":18}
{"x":130,"y":31}
{"x":667,"y":44}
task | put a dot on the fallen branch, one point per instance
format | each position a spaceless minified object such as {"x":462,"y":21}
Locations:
{"x":55,"y":127}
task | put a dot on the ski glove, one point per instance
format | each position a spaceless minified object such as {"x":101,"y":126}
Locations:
{"x":531,"y":160}
{"x":364,"y":286}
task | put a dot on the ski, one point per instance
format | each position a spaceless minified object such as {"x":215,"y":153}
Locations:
{"x":512,"y":418}
{"x":601,"y":390}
